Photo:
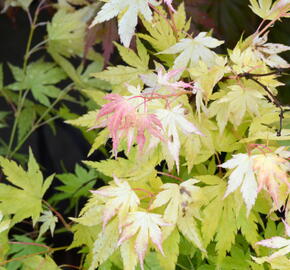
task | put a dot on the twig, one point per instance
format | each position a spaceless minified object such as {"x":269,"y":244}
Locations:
{"x":48,"y":250}
{"x":70,"y":266}
{"x":275,"y":101}
{"x":67,"y":226}
{"x":29,"y":244}
{"x":248,"y":75}
{"x":171,"y":176}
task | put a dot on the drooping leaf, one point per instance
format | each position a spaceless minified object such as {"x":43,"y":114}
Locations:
{"x":174,"y":123}
{"x":188,"y":226}
{"x":129,"y":256}
{"x":145,"y":226}
{"x":242,"y":175}
{"x":105,"y":244}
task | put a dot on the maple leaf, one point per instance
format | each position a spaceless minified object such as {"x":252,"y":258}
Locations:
{"x":275,"y":242}
{"x":25,"y":250}
{"x":173,"y":122}
{"x":177,"y":197}
{"x":242,"y":175}
{"x":104,"y":245}
{"x":129,"y":10}
{"x":150,"y":123}
{"x":220,"y":216}
{"x":261,"y":7}
{"x":146,"y":226}
{"x":125,"y":119}
{"x":48,"y":222}
{"x":271,"y":171}
{"x":164,"y":81}
{"x":252,"y":173}
{"x":193,"y":50}
{"x":67,"y":32}
{"x":40,"y":79}
{"x":234,"y":105}
{"x":75,"y":185}
{"x":28,"y":187}
{"x":268,"y":52}
{"x":121,"y":200}
{"x":180,"y":209}
{"x":268,"y":10}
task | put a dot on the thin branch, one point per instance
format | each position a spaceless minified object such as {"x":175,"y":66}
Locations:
{"x":276,"y":102}
{"x":20,"y":258}
{"x":171,"y":176}
{"x":70,"y":266}
{"x":248,"y":75}
{"x":151,"y":194}
{"x":61,"y":218}
{"x":24,"y":257}
{"x":29,"y":244}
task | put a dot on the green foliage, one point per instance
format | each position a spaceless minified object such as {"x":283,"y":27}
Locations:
{"x":66,"y":32}
{"x":29,"y":187}
{"x":75,"y":185}
{"x":38,"y":261}
{"x":40,"y":79}
{"x":22,"y":249}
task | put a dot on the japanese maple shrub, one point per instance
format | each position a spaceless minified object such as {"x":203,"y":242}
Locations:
{"x":196,"y":143}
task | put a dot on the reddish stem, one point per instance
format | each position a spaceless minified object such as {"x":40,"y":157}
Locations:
{"x":171,"y":176}
{"x":70,"y":266}
{"x":61,"y":218}
{"x":166,"y":19}
{"x":29,"y":244}
{"x":173,"y":25}
{"x":24,"y":257}
{"x":146,"y":191}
